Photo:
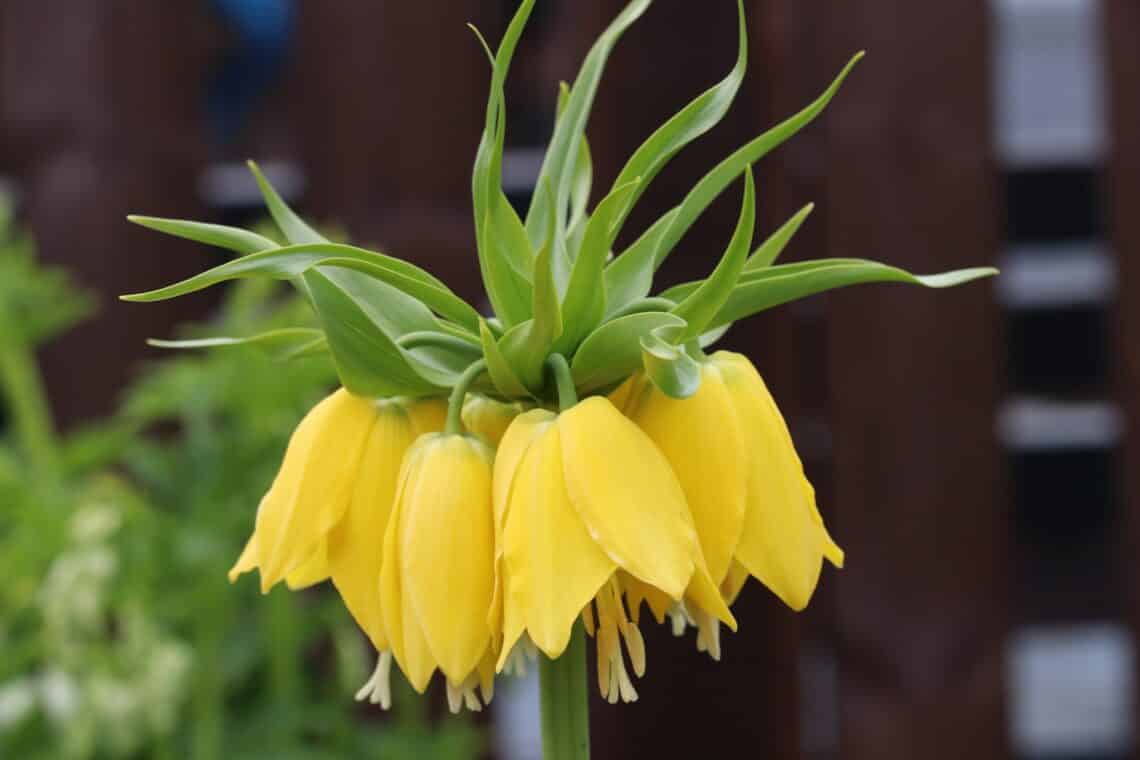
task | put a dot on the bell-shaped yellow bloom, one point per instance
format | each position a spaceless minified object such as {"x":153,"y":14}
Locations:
{"x":437,"y":578}
{"x":488,"y":418}
{"x":586,"y":505}
{"x":327,"y":511}
{"x":754,"y":509}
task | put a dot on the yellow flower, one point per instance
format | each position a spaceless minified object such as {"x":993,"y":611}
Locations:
{"x":489,"y":418}
{"x":754,"y":509}
{"x":437,"y":577}
{"x":326,"y":513}
{"x":585,"y":507}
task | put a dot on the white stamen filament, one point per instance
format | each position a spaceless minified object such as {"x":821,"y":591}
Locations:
{"x":378,"y":688}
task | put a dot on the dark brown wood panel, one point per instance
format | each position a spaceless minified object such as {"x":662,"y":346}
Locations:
{"x":921,"y":607}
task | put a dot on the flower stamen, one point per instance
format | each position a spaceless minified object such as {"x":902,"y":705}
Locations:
{"x":378,"y":688}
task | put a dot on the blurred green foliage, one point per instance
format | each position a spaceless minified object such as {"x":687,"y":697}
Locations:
{"x":121,"y":637}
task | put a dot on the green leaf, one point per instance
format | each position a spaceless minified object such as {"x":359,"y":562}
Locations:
{"x":765,"y":288}
{"x":503,"y":377}
{"x":563,"y":150}
{"x":583,"y":174}
{"x":585,"y":302}
{"x":368,"y":361}
{"x":287,"y":336}
{"x":698,"y":308}
{"x":527,"y":344}
{"x":629,"y":277}
{"x":645,"y":256}
{"x":669,"y":365}
{"x":395,"y":312}
{"x":612,"y":353}
{"x":695,"y":119}
{"x":771,"y":248}
{"x":291,"y":261}
{"x":503,"y":248}
{"x":295,"y":229}
{"x":231,"y":238}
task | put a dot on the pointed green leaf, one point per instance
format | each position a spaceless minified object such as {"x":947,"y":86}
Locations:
{"x":669,"y":365}
{"x":585,"y":301}
{"x":692,"y":121}
{"x":315,"y":347}
{"x":771,"y":248}
{"x":295,"y":229}
{"x":583,"y":176}
{"x":526,"y":345}
{"x":557,"y":168}
{"x":286,"y":336}
{"x":612,"y":353}
{"x":368,"y":361}
{"x":503,"y":376}
{"x":645,"y":256}
{"x":765,"y":288}
{"x":699,"y":307}
{"x":291,"y":261}
{"x":629,"y":277}
{"x":504,"y":253}
{"x":231,"y":238}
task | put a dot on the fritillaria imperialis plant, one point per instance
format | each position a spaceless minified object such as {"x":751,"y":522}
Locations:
{"x":488,"y":489}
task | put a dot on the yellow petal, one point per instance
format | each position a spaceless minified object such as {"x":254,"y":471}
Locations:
{"x":447,"y":549}
{"x":782,"y":543}
{"x":626,"y":494}
{"x":311,"y":492}
{"x":409,"y":647}
{"x":626,"y":393}
{"x":637,"y":592}
{"x":702,"y":439}
{"x":554,"y":566}
{"x":513,"y":446}
{"x":355,"y":544}
{"x":247,"y":561}
{"x":734,"y":582}
{"x":312,"y":571}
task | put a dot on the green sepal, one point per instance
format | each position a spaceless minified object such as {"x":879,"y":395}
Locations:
{"x":585,"y":302}
{"x":503,"y":377}
{"x":695,"y":119}
{"x":367,"y":360}
{"x":295,"y":229}
{"x":231,"y":238}
{"x":557,"y":176}
{"x":770,"y":249}
{"x":700,"y":306}
{"x":668,"y":363}
{"x":633,"y":269}
{"x":613,"y":351}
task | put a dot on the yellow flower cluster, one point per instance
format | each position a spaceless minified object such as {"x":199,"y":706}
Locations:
{"x":467,"y":553}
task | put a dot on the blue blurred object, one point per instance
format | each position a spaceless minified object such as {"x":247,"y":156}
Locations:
{"x":264,"y":33}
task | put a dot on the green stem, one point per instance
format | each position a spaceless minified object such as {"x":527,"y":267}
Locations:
{"x":565,"y":704}
{"x":563,"y":380}
{"x":23,"y":386}
{"x":438,"y":340}
{"x":455,"y":403}
{"x":562,"y":682}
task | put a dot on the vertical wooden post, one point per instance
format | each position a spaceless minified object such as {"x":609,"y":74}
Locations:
{"x":1122,"y":23}
{"x":921,"y":608}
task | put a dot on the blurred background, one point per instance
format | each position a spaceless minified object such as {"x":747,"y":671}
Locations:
{"x":976,"y":451}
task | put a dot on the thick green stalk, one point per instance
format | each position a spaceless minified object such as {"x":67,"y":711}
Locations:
{"x":454,"y":423}
{"x":23,"y":387}
{"x":565,"y":704}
